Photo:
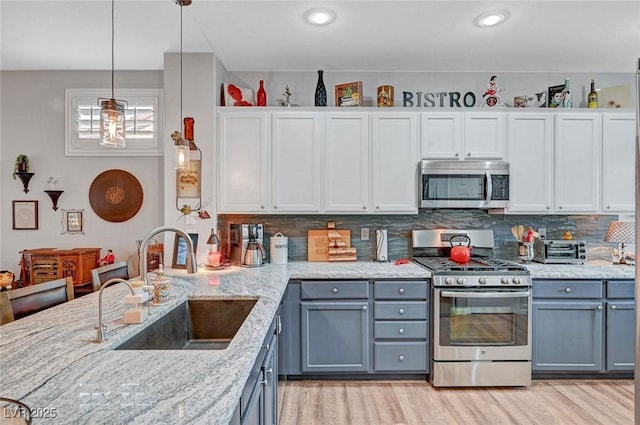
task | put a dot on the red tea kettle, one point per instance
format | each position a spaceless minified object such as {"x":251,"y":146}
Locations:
{"x":459,"y":253}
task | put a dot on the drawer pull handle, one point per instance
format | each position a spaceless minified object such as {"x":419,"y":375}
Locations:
{"x":400,"y":331}
{"x":401,"y":358}
{"x":334,"y":290}
{"x":401,"y":290}
{"x":567,"y":290}
{"x":401,"y":311}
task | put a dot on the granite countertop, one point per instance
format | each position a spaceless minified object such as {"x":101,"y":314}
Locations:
{"x":593,"y":269}
{"x":50,"y":359}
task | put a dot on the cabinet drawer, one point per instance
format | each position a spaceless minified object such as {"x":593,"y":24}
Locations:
{"x":393,"y":356}
{"x":337,"y":289}
{"x":567,"y":289}
{"x":621,"y":289}
{"x":400,"y":290}
{"x":407,"y":310}
{"x":400,"y":330}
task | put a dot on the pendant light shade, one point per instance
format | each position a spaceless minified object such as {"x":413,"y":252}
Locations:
{"x":181,"y":148}
{"x":112,"y":111}
{"x":112,"y":120}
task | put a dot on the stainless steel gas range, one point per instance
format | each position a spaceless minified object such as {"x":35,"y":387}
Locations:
{"x":480,"y":312}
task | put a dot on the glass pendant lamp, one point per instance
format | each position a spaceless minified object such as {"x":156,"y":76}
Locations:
{"x":181,"y":149}
{"x":112,"y":111}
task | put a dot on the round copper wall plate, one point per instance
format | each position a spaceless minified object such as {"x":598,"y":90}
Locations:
{"x":115,"y":195}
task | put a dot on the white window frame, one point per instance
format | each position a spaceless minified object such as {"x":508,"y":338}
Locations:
{"x":76,"y":146}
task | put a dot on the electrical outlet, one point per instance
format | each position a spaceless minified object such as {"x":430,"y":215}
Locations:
{"x":364,"y":233}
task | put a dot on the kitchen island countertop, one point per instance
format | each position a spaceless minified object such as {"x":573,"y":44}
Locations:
{"x":49,"y":359}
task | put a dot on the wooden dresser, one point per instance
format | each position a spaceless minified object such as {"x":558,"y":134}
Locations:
{"x":45,"y":264}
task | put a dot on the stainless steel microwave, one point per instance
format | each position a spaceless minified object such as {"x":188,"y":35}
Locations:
{"x":464,"y":184}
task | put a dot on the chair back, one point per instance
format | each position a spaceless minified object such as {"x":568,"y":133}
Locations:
{"x":21,"y":302}
{"x":100,"y":275}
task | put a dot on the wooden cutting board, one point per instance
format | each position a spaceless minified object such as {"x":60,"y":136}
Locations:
{"x":318,"y":243}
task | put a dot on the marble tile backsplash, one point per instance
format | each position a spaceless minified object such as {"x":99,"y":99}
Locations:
{"x":590,"y":228}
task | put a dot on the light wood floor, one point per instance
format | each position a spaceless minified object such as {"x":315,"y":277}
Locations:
{"x":578,"y":402}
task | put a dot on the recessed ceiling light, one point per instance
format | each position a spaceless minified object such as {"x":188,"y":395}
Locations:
{"x":320,"y":16}
{"x":493,"y":18}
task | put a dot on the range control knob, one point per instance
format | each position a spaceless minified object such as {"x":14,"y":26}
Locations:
{"x":461,"y":280}
{"x":517,"y":280}
{"x":482,"y":280}
{"x":504,"y":280}
{"x":448,"y":280}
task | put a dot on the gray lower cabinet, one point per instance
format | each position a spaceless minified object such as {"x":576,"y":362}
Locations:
{"x":400,"y":326}
{"x":583,"y":326}
{"x":258,"y":403}
{"x":335,"y":336}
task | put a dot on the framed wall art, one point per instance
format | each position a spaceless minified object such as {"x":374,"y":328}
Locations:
{"x":349,"y":94}
{"x":180,"y":250}
{"x":25,"y":215}
{"x":555,"y":96}
{"x":72,"y":221}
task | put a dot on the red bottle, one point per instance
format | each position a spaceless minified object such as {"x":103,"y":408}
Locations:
{"x":262,"y":95}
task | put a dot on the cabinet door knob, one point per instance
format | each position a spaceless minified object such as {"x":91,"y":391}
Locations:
{"x":401,"y":311}
{"x":364,"y":308}
{"x":457,"y":154}
{"x":567,"y":290}
{"x":401,"y":331}
{"x":401,"y":290}
{"x":548,"y":207}
{"x":275,"y":207}
{"x":608,"y":207}
{"x":560,"y":207}
{"x":599,"y":307}
{"x":269,"y":371}
{"x":262,"y":206}
{"x":468,"y":153}
{"x":334,"y":290}
{"x":613,"y":307}
{"x":401,"y":358}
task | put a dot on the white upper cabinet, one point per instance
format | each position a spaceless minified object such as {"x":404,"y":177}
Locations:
{"x":441,"y":135}
{"x":295,"y":164}
{"x":346,"y":165}
{"x":476,"y":135}
{"x":530,"y":158}
{"x":243,"y":172}
{"x":395,"y":159}
{"x":484,"y":135}
{"x":618,"y":162}
{"x":578,"y":140}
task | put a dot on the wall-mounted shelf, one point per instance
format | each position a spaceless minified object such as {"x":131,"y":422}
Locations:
{"x":54,"y":195}
{"x":25,"y":177}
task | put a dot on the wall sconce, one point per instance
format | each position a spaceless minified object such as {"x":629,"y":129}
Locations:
{"x":214,"y":259}
{"x":53,"y":193}
{"x":621,"y":232}
{"x":112,"y":111}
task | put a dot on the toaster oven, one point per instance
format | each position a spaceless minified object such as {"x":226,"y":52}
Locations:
{"x":551,"y":251}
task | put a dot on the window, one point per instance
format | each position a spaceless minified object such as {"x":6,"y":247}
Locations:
{"x":143,"y":122}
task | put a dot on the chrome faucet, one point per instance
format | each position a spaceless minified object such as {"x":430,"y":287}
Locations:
{"x":102,"y":329}
{"x":192,"y":265}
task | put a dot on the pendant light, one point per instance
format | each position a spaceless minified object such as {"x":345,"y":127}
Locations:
{"x":112,"y":111}
{"x":181,"y":144}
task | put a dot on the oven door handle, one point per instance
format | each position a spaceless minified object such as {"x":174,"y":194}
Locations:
{"x":450,"y":294}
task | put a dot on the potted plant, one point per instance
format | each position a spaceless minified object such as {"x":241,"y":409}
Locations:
{"x":21,"y":165}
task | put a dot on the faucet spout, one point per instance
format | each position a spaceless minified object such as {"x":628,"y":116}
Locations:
{"x":102,"y":329}
{"x":192,"y":265}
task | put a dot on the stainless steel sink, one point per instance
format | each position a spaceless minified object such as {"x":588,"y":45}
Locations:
{"x":200,"y":324}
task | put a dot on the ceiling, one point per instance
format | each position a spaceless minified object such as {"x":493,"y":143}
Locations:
{"x":268,"y":35}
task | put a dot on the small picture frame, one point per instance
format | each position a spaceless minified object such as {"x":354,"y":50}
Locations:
{"x":180,"y":250}
{"x":25,"y":215}
{"x":555,"y":96}
{"x":349,"y":94}
{"x":72,"y":221}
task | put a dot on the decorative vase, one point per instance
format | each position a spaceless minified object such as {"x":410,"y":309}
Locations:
{"x":262,"y":95}
{"x":321,"y":91}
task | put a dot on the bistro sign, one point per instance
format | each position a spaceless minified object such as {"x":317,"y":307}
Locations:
{"x":452,"y":99}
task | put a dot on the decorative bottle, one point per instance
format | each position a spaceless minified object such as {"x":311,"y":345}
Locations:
{"x":566,"y":95}
{"x":592,"y":97}
{"x":321,"y":91}
{"x":262,"y":95}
